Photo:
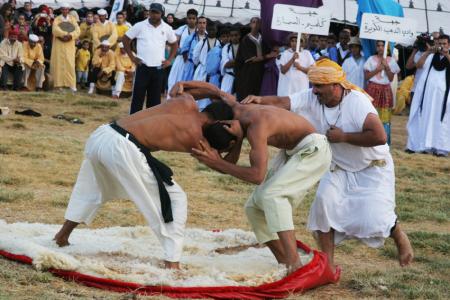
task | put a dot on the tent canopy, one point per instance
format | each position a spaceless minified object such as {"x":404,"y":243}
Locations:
{"x":431,"y":15}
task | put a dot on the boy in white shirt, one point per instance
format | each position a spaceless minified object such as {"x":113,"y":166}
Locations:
{"x":293,"y":69}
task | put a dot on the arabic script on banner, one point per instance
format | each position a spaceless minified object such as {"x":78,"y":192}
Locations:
{"x":301,"y":19}
{"x":388,"y":28}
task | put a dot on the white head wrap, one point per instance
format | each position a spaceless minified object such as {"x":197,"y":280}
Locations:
{"x":33,"y":38}
{"x":105,"y":43}
{"x":102,"y":12}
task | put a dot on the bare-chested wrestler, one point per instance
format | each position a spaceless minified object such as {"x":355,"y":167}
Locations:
{"x":304,"y":157}
{"x":118,"y":165}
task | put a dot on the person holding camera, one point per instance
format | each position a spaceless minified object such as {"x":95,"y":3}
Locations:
{"x":422,"y":43}
{"x":429,"y":119}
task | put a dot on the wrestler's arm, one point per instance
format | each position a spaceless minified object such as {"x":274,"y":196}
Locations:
{"x":201,"y":90}
{"x":281,"y":102}
{"x":259,"y":155}
{"x":372,"y":135}
{"x":234,"y":128}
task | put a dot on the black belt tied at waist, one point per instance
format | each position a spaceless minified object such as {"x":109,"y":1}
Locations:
{"x":162,"y":172}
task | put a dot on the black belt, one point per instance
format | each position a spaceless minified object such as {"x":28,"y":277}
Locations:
{"x":162,"y":172}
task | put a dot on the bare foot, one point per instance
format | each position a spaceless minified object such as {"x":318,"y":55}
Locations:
{"x":171,"y":265}
{"x":294,"y":267}
{"x":405,"y":251}
{"x":237,"y":249}
{"x":61,"y":240}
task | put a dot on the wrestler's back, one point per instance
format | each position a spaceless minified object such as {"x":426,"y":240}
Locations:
{"x":284,"y":129}
{"x":173,"y":126}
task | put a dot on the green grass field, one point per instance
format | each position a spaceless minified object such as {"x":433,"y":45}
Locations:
{"x":40,"y":159}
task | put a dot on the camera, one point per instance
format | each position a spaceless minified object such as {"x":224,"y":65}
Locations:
{"x":422,"y":41}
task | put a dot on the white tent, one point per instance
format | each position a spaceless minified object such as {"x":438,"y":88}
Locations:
{"x":431,"y":15}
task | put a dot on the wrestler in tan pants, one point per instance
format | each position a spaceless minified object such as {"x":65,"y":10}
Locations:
{"x":291,"y":174}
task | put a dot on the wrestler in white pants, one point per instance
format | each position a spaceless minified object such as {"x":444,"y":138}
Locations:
{"x":115,"y":168}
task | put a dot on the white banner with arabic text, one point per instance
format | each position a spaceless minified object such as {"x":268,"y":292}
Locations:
{"x":301,"y":19}
{"x":388,"y":28}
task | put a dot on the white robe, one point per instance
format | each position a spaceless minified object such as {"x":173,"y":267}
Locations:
{"x":294,"y":80}
{"x":354,"y":71}
{"x":114,"y":168}
{"x":176,"y":72}
{"x":426,"y":132}
{"x":227,"y":73}
{"x":200,"y":52}
{"x":419,"y":72}
{"x":355,"y":198}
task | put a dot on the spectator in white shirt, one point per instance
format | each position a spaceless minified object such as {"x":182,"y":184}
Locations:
{"x":152,"y":35}
{"x":354,"y":65}
{"x":293,"y":69}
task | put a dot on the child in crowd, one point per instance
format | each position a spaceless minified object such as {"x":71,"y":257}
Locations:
{"x":83,"y":58}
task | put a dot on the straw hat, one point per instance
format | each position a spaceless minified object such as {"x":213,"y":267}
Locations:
{"x":355,"y":41}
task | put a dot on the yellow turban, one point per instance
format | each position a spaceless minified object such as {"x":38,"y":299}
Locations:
{"x":326,"y":71}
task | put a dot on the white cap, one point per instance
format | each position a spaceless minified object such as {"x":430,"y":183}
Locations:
{"x":74,"y":14}
{"x":120,"y":45}
{"x":102,"y":12}
{"x":105,"y":43}
{"x":33,"y":38}
{"x":64,"y":5}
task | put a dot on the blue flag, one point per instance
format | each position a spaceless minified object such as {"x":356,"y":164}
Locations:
{"x":382,"y":7}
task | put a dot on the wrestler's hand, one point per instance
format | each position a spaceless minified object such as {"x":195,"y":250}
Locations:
{"x":234,"y":128}
{"x":206,"y":154}
{"x":176,"y":90}
{"x":335,"y":135}
{"x":252,"y":99}
{"x":227,"y":97}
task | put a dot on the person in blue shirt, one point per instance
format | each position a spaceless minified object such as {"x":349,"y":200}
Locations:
{"x":187,"y":48}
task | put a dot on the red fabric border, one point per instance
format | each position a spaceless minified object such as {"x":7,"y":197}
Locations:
{"x":314,"y":274}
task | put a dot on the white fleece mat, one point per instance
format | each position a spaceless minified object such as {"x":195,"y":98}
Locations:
{"x":133,"y":254}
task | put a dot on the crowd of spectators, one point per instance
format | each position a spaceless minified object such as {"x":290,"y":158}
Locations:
{"x":65,"y":48}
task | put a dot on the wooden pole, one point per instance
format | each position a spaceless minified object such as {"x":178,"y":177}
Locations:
{"x":386,"y":45}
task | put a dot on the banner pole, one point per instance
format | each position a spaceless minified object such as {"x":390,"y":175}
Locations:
{"x":386,"y":45}
{"x":299,"y":37}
